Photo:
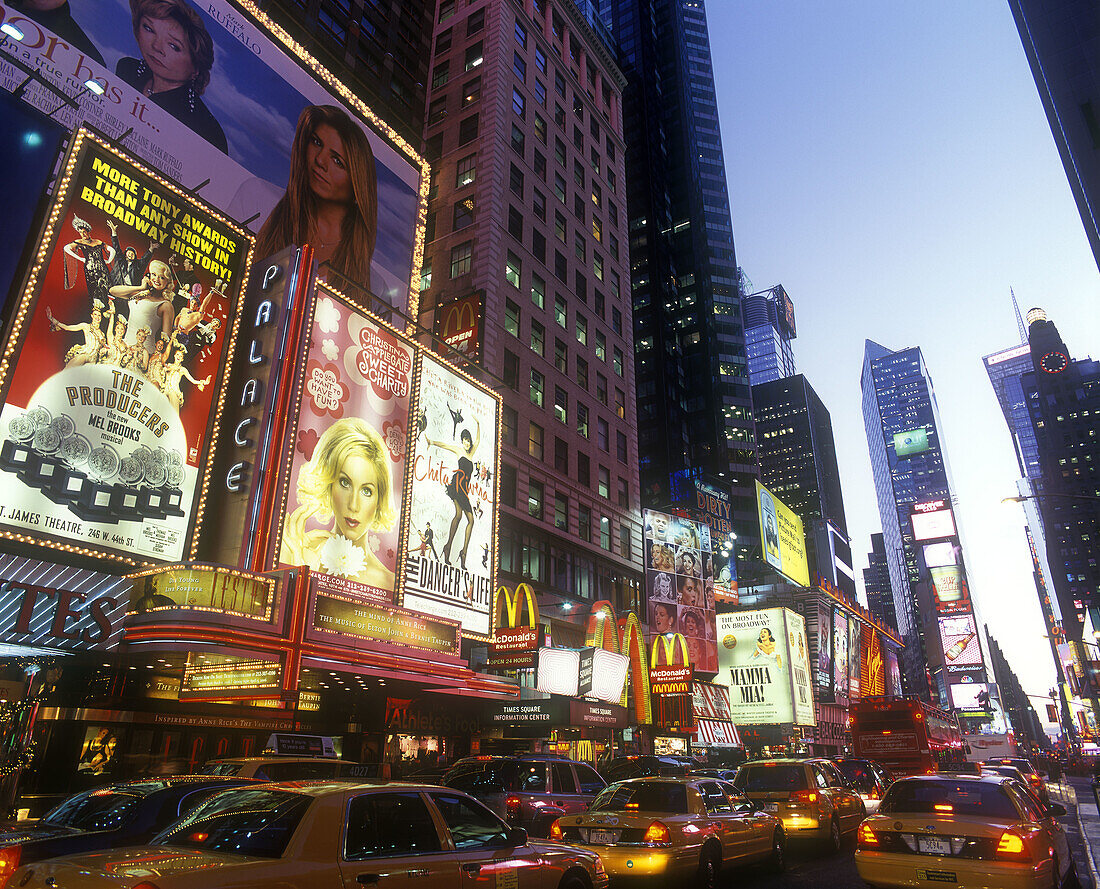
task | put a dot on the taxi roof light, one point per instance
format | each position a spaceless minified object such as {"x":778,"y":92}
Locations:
{"x":944,"y":807}
{"x":657,"y":834}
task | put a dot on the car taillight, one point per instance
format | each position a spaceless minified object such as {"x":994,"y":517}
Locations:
{"x":512,"y":807}
{"x":657,"y":834}
{"x":9,"y":861}
{"x":1035,"y":779}
{"x":804,"y":796}
{"x":556,"y":831}
{"x":866,"y":838}
{"x":146,"y":885}
{"x":1011,"y":847}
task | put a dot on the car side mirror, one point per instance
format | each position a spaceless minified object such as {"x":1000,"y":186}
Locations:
{"x":516,"y":836}
{"x":1057,"y":810}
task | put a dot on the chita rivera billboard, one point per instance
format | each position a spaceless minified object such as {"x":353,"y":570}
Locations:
{"x":113,"y":362}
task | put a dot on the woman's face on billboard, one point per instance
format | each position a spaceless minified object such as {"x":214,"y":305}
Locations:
{"x":355,"y":497}
{"x":328,"y":172}
{"x":163,"y":45}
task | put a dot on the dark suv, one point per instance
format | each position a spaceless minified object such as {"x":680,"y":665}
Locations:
{"x":622,"y":768}
{"x":528,"y":791}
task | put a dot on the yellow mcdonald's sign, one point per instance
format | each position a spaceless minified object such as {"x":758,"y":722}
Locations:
{"x":509,"y":605}
{"x":667,"y":647}
{"x":514,"y":642}
{"x":632,"y":644}
{"x":600,"y":631}
{"x":458,"y":324}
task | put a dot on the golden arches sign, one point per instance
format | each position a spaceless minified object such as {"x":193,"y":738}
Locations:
{"x":669,"y":645}
{"x":507,"y":604}
{"x":626,"y":637}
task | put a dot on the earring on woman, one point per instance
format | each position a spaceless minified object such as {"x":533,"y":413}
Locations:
{"x":191,"y":93}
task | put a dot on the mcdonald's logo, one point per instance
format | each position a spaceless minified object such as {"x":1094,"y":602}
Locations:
{"x":671,"y":646}
{"x":507,"y":604}
{"x":514,"y":642}
{"x":458,"y":325}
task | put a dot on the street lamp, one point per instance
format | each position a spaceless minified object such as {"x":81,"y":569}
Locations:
{"x":1021,"y":498}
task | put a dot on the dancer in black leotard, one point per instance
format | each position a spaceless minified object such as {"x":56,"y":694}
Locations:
{"x":458,"y":488}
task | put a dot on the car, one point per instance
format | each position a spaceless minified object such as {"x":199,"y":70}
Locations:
{"x":1031,"y":774}
{"x":964,"y":830}
{"x":305,"y":835}
{"x":723,"y":774}
{"x":644,"y":766}
{"x":810,"y":796}
{"x":672,"y":829}
{"x":294,"y":768}
{"x":527,"y":791}
{"x":112,"y":815}
{"x":869,"y":779}
{"x":1019,"y":777}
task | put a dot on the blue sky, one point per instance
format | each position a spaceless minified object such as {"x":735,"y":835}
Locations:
{"x":891,"y":165}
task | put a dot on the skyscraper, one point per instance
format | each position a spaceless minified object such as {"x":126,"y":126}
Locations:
{"x":935,"y":615}
{"x":525,"y":267}
{"x":876,"y":584}
{"x":1061,"y":39}
{"x":769,"y":329}
{"x":694,"y":404}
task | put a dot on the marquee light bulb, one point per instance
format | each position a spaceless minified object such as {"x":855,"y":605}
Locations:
{"x":12,"y":30}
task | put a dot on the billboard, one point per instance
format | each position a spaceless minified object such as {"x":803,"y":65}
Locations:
{"x":764,"y":660}
{"x":110,"y":404}
{"x":783,"y":538}
{"x":961,"y":648}
{"x":964,"y":696}
{"x":855,"y":657}
{"x":840,"y":654}
{"x":347,"y":465}
{"x":715,"y":506}
{"x":949,"y":585}
{"x":450,"y":550}
{"x":459,"y":324}
{"x":240,"y":113}
{"x":680,"y":584}
{"x":824,"y":675}
{"x":932,"y":524}
{"x":940,"y":555}
{"x":915,"y":441}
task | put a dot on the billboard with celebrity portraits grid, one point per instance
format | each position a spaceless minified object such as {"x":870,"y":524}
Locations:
{"x":114,"y":358}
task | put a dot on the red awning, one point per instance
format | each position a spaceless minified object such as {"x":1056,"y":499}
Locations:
{"x":715,"y":733}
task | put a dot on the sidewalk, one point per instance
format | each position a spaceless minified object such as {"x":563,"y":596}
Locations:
{"x":1082,"y":823}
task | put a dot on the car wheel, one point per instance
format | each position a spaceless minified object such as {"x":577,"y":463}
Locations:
{"x":832,"y":844}
{"x":574,"y":881}
{"x":709,"y":864}
{"x":1071,"y":881}
{"x":777,"y":863}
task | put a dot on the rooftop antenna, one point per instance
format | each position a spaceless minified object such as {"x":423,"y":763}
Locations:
{"x":1019,"y":318}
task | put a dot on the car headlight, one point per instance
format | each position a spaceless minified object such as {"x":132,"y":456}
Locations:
{"x":598,"y":867}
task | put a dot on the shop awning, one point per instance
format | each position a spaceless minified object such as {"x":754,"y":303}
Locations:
{"x":715,"y":733}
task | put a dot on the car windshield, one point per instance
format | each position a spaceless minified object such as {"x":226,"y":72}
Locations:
{"x":105,"y":809}
{"x":474,"y":777}
{"x":221,"y":768}
{"x":975,"y":798}
{"x":858,"y":773}
{"x":770,"y":778}
{"x":664,"y":797}
{"x":246,"y":821}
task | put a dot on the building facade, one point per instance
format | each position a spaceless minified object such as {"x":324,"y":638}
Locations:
{"x":769,"y":329}
{"x":876,"y":583}
{"x":1061,"y":39}
{"x":694,"y":402}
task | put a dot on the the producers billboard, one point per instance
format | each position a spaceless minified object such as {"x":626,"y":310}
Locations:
{"x":764,"y":660}
{"x":680,"y":584}
{"x":783,"y":536}
{"x":855,"y":657}
{"x":914,"y":441}
{"x":113,"y":362}
{"x":242,"y":114}
{"x":961,"y":648}
{"x":840,"y":655}
{"x":450,"y":552}
{"x":347,"y":467}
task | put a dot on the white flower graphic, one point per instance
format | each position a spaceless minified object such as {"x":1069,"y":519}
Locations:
{"x":330,"y":350}
{"x":373,"y":542}
{"x":328,"y":316}
{"x":341,"y":557}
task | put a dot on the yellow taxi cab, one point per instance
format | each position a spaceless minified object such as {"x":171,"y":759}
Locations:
{"x":977,"y":832}
{"x":312,"y":835}
{"x":810,"y":796}
{"x":669,"y":828}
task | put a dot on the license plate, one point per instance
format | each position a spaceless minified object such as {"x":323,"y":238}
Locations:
{"x":937,"y":876}
{"x":603,"y":837}
{"x":933,"y":846}
{"x":771,"y":807}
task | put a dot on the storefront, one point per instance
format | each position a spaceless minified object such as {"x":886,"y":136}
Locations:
{"x":580,"y":729}
{"x":715,"y":738}
{"x":830,"y":736}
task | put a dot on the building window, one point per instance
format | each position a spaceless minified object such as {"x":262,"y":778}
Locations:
{"x":515,"y":180}
{"x":559,"y":226}
{"x":561,"y":357}
{"x":426,"y":274}
{"x":519,"y":106}
{"x":475,"y":22}
{"x":475,"y":55}
{"x":561,"y":512}
{"x":620,"y":446}
{"x":616,"y":321}
{"x":582,"y":373}
{"x":463,"y":214}
{"x":538,"y":291}
{"x":605,"y":533}
{"x":618,"y":361}
{"x":603,"y":485}
{"x":538,"y":338}
{"x":582,"y":420}
{"x":624,"y":494}
{"x":559,"y":155}
{"x":601,"y":346}
{"x":580,"y":285}
{"x":537,"y":389}
{"x":624,"y":541}
{"x":471,"y":92}
{"x":508,"y":485}
{"x":461,"y":258}
{"x":443,"y":42}
{"x":515,"y":225}
{"x":561,"y":405}
{"x":534,"y":440}
{"x":538,"y":204}
{"x":534,"y":499}
{"x":602,"y":434}
{"x":601,"y":388}
{"x":559,"y":187}
{"x":561,"y":456}
{"x":521,"y":35}
{"x":584,"y":469}
{"x":466,"y":171}
{"x":441,"y":74}
{"x":540,"y":96}
{"x":540,"y":60}
{"x":579,"y":247}
{"x":540,"y":131}
{"x":519,"y":66}
{"x":578,"y":208}
{"x":560,"y":314}
{"x":598,"y":303}
{"x":446,"y":10}
{"x":561,"y":267}
{"x":582,"y":329}
{"x":584,"y":523}
{"x":597,"y":234}
{"x":509,"y":422}
{"x":467,"y":130}
{"x":517,"y":140}
{"x":511,"y":318}
{"x":620,"y":404}
{"x":510,"y":371}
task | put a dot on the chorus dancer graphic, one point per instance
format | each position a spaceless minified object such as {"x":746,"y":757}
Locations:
{"x":458,"y":487}
{"x":95,"y":256}
{"x":94,"y":337}
{"x":174,"y":372}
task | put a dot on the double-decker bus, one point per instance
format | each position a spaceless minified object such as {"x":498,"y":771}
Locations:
{"x":906,"y":735}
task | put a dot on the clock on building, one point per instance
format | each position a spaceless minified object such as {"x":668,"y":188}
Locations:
{"x":1054,"y":362}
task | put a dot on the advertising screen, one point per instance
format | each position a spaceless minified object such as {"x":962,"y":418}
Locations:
{"x":872,"y":672}
{"x":964,"y":695}
{"x":715,"y":505}
{"x":824,"y":678}
{"x":458,"y":324}
{"x":893,"y":673}
{"x":680,"y":584}
{"x":840,"y":653}
{"x":961,"y":647}
{"x":915,"y":441}
{"x":347,"y":468}
{"x":450,"y":554}
{"x":855,"y":656}
{"x":110,"y":400}
{"x":950,"y":588}
{"x":783,"y":536}
{"x":764,"y":660}
{"x":940,"y":555}
{"x":933,"y":525}
{"x":268,"y":139}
